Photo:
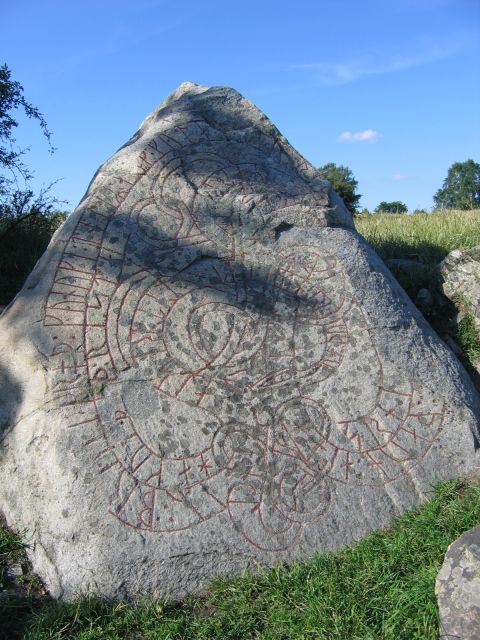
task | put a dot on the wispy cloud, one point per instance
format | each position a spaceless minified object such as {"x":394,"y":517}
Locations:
{"x":368,"y":135}
{"x":398,"y":177}
{"x":373,"y":64}
{"x":118,"y":39}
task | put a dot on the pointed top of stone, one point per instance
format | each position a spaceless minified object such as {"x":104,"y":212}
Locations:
{"x":184,"y":89}
{"x":229,"y":132}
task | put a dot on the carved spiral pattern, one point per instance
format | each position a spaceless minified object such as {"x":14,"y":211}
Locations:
{"x":206,"y":366}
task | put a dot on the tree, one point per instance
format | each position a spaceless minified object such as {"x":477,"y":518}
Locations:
{"x":461,"y":187}
{"x":342,"y":180}
{"x":391,"y":207}
{"x":15,"y":191}
{"x":23,"y":239}
{"x":12,"y":99}
{"x":24,"y":205}
{"x":27,"y":221}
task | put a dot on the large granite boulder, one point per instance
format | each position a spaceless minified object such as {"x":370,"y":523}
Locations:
{"x":210,"y":369}
{"x":458,"y":589}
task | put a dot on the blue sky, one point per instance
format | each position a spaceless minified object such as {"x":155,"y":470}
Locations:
{"x":389,"y":89}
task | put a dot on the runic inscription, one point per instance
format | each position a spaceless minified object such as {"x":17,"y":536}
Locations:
{"x":202,"y":360}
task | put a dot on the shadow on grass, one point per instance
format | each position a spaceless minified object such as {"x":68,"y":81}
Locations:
{"x":21,"y":592}
{"x":425,"y":252}
{"x":413,"y":278}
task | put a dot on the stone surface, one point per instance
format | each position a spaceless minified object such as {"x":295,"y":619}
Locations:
{"x":459,"y":278}
{"x":458,"y":589}
{"x":210,"y":369}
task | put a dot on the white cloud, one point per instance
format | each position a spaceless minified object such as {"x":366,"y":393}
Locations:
{"x":373,"y":64}
{"x":400,"y":176}
{"x":368,"y":135}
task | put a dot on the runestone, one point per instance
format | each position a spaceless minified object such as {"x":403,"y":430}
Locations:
{"x":211,"y":368}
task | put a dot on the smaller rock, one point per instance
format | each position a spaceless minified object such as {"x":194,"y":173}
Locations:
{"x":15,"y":571}
{"x":459,"y":278}
{"x":458,"y":588}
{"x":424,"y":300}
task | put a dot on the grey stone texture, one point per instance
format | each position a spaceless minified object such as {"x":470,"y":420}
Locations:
{"x":458,"y":589}
{"x":210,"y":369}
{"x":459,"y":276}
{"x":458,"y":279}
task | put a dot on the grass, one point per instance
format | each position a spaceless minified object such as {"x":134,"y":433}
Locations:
{"x":425,"y":238}
{"x":21,"y":592}
{"x":11,"y":553}
{"x":469,"y":335}
{"x":380,"y":589}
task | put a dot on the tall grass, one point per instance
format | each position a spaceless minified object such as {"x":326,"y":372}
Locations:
{"x":424,"y":237}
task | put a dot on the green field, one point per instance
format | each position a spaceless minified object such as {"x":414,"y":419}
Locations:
{"x":425,"y":238}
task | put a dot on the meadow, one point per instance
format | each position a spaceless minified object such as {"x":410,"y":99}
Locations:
{"x":425,"y":238}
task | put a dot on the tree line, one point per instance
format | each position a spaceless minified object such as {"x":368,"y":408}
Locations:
{"x":460,"y":189}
